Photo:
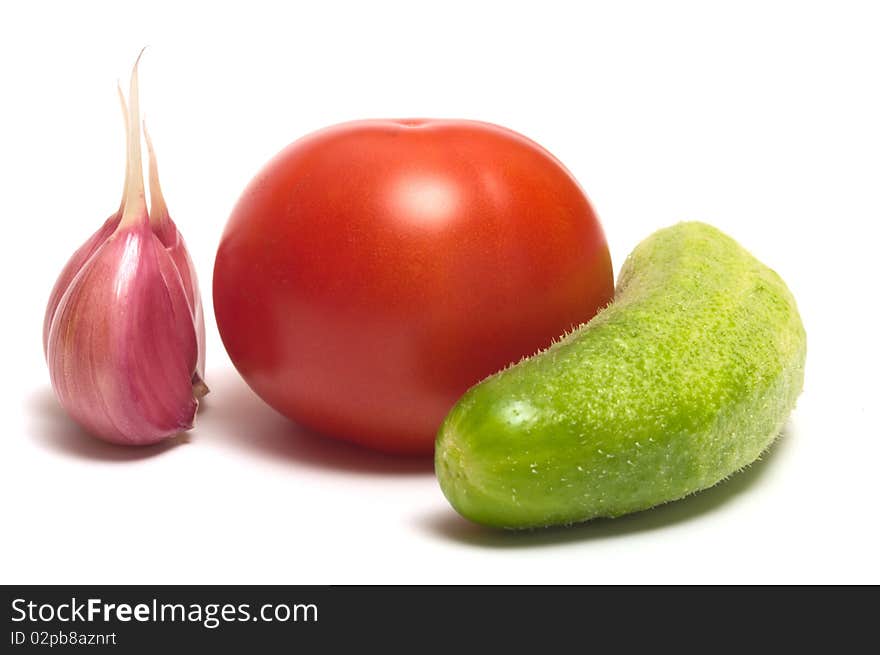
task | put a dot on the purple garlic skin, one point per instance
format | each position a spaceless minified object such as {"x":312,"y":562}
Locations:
{"x":72,"y":267}
{"x":124,"y":333}
{"x":183,"y":262}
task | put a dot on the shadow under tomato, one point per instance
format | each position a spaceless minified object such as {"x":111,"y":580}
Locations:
{"x":450,"y":525}
{"x":234,"y":416}
{"x":51,"y":428}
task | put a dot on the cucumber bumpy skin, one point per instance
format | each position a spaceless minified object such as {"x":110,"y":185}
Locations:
{"x":686,"y":377}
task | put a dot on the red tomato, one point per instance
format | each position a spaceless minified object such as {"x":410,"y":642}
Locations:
{"x":375,"y":270}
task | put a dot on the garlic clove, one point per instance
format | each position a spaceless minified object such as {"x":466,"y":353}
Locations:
{"x":122,"y":348}
{"x":121,"y":339}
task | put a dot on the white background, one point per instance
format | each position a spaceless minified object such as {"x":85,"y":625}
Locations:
{"x":761,"y":118}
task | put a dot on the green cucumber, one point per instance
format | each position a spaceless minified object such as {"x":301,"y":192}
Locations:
{"x":686,"y":377}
